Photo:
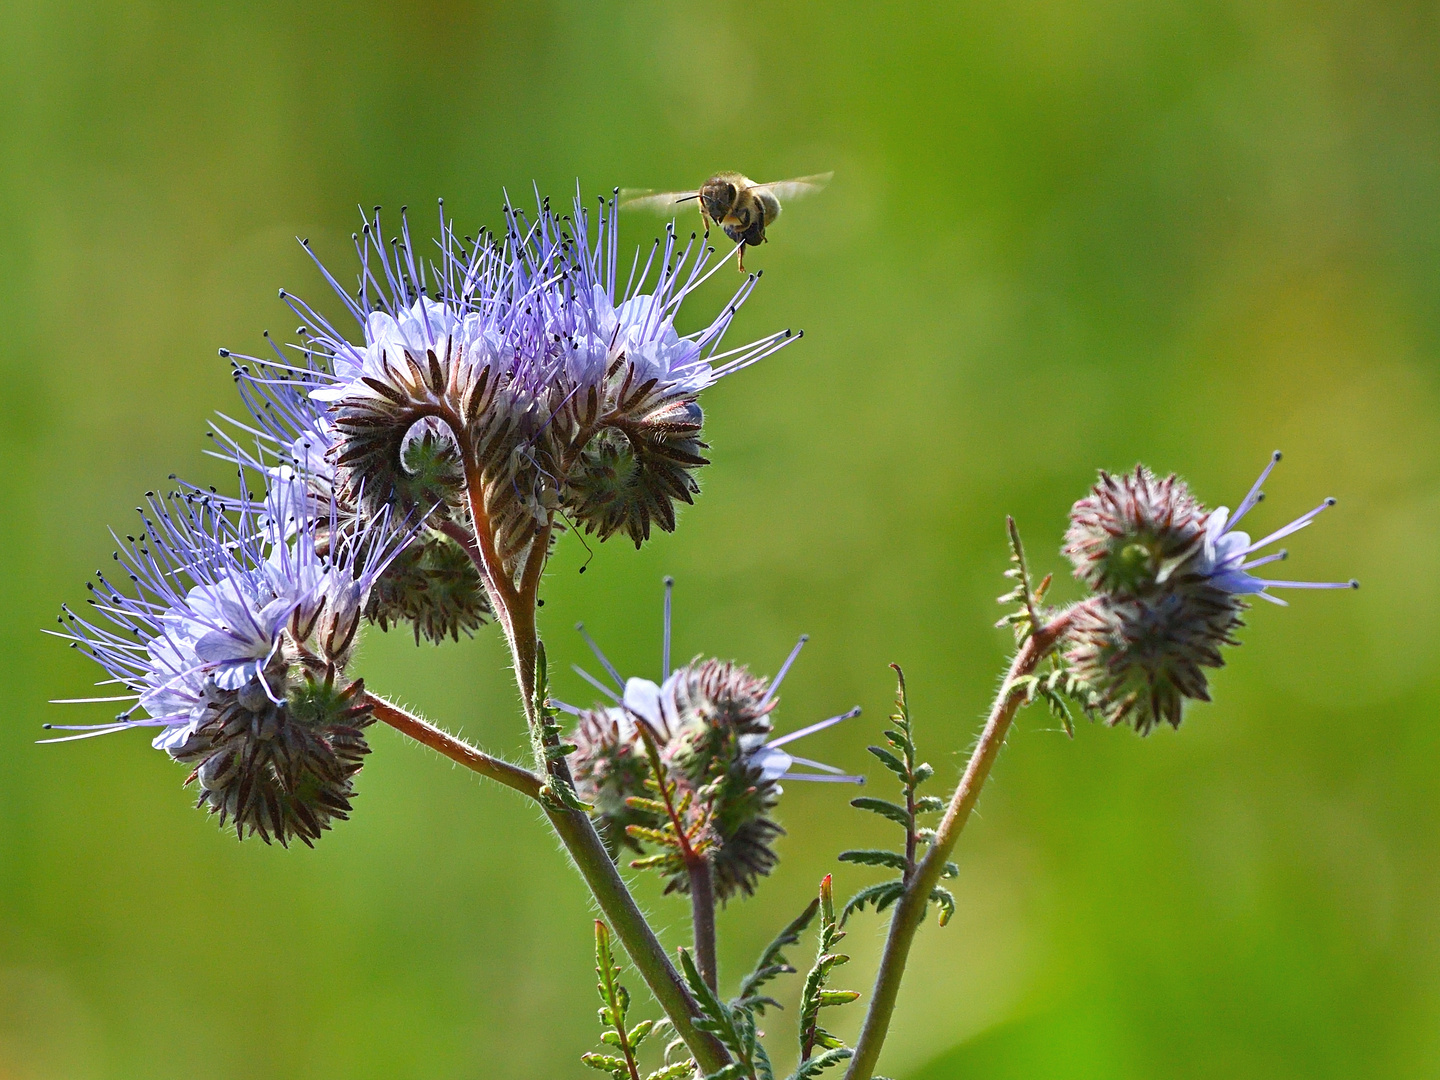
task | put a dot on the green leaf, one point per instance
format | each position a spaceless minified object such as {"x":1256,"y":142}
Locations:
{"x":891,"y":762}
{"x":681,"y":1070}
{"x":894,"y":811}
{"x":606,"y":1063}
{"x":875,"y":857}
{"x":929,"y":804}
{"x":814,"y":996}
{"x":881,"y":896}
{"x":945,"y":900}
{"x":816,"y":1065}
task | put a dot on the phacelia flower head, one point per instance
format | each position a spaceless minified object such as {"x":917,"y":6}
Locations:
{"x":515,"y":377}
{"x":711,"y":720}
{"x":230,"y":639}
{"x":1169,"y":579}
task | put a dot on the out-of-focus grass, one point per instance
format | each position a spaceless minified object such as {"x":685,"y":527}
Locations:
{"x":1061,"y":236}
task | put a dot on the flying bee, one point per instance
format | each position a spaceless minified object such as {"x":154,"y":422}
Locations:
{"x":740,"y":206}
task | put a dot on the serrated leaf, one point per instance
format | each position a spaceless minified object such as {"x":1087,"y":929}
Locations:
{"x":923,"y":772}
{"x":929,"y":804}
{"x":894,"y":811}
{"x":818,"y":1064}
{"x":681,"y":1070}
{"x":890,"y":761}
{"x":881,"y":895}
{"x":875,"y":857}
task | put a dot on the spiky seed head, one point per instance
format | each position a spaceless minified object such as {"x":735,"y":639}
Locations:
{"x":1133,"y":531}
{"x":281,"y":768}
{"x":610,"y":765}
{"x":434,"y":586}
{"x":1157,"y":620}
{"x":1142,"y":656}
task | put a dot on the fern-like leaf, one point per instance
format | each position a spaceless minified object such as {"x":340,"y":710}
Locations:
{"x":732,"y":1026}
{"x":902,"y":759}
{"x":557,"y":793}
{"x":818,"y":1064}
{"x":615,"y":1003}
{"x":815,"y":995}
{"x":881,"y":896}
{"x":876,"y":857}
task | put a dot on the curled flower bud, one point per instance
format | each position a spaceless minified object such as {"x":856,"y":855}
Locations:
{"x":434,"y":586}
{"x":711,"y":721}
{"x":630,"y":476}
{"x":1169,"y":580}
{"x":281,"y":768}
{"x":1133,"y":531}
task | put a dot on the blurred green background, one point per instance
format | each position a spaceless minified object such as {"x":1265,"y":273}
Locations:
{"x":1062,"y":235}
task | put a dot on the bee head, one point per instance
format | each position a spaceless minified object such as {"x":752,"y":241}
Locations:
{"x":718,"y":198}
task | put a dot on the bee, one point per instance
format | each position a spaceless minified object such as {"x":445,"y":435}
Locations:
{"x":740,"y":206}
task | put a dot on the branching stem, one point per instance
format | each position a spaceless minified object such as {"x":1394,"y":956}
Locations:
{"x":910,"y":911}
{"x":457,"y":750}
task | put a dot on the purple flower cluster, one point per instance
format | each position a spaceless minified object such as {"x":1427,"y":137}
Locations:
{"x":711,"y":723}
{"x":490,"y":394}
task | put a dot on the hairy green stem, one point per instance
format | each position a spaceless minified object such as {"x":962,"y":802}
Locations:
{"x":910,"y":911}
{"x":582,"y":842}
{"x":702,"y":917}
{"x":577,"y":833}
{"x":457,"y":750}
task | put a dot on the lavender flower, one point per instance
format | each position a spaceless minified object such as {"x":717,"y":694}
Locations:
{"x":522,"y":359}
{"x":1169,"y":580}
{"x":230,"y":642}
{"x":711,"y":719}
{"x":1224,"y":559}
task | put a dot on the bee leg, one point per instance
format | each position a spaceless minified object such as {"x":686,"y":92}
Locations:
{"x":741,"y":261}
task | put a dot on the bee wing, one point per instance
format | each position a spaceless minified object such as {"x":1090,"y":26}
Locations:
{"x":785,"y":190}
{"x":659,"y":202}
